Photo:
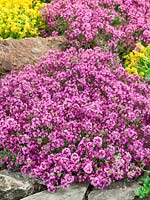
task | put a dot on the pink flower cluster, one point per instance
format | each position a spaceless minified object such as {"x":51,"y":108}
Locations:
{"x":73,"y":119}
{"x":89,"y":20}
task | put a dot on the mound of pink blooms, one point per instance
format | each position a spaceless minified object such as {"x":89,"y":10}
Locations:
{"x":89,"y":20}
{"x":73,"y":119}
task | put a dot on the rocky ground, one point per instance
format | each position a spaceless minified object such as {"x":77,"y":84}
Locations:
{"x":14,"y":186}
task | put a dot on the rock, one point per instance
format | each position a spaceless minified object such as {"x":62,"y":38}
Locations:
{"x":75,"y":192}
{"x":6,"y":65}
{"x":14,"y":186}
{"x":117,"y":191}
{"x":15,"y":54}
{"x":5,"y":62}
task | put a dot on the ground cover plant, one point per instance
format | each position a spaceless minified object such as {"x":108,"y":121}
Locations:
{"x":119,"y":23}
{"x":74,"y":119}
{"x":138,"y":61}
{"x":19,"y":19}
{"x":78,"y":115}
{"x":144,"y":190}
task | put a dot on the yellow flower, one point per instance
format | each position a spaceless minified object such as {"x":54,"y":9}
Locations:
{"x":141,"y":74}
{"x":20,"y":18}
{"x":135,"y":61}
{"x":138,"y":44}
{"x":132,"y":71}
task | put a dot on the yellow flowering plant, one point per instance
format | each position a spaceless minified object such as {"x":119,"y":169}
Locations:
{"x":137,"y":62}
{"x":20,"y":18}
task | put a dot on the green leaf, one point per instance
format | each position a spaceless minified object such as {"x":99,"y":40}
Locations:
{"x":39,"y":140}
{"x":144,"y":190}
{"x":117,"y":8}
{"x":117,"y":21}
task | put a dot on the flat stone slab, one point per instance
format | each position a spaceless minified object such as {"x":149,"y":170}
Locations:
{"x":75,"y":192}
{"x":117,"y":191}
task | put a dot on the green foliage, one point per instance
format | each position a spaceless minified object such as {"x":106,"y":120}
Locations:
{"x":145,"y":64}
{"x":60,"y":27}
{"x":144,"y":190}
{"x":117,"y":21}
{"x":117,"y":8}
{"x":45,"y":1}
{"x":4,"y":154}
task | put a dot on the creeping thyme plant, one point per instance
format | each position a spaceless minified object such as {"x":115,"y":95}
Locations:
{"x":20,"y":18}
{"x":73,"y":119}
{"x":87,"y":23}
{"x":78,"y":115}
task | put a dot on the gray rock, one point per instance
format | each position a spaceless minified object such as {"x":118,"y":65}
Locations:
{"x":117,"y":191}
{"x":14,"y":186}
{"x":75,"y":192}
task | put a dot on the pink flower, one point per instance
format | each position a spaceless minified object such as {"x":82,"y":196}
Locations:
{"x":88,"y":168}
{"x":66,"y":151}
{"x":95,"y":181}
{"x":101,"y":154}
{"x":75,"y":158}
{"x":54,"y":33}
{"x":69,"y":178}
{"x":98,"y":141}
